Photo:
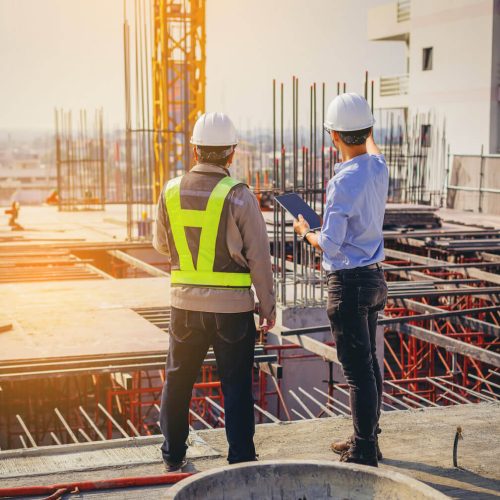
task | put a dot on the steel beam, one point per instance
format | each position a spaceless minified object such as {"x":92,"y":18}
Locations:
{"x":138,"y":264}
{"x":327,"y":352}
{"x":419,"y":259}
{"x":436,"y":313}
{"x":452,"y":345}
{"x":487,"y":290}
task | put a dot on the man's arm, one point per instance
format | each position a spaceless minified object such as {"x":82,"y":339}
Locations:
{"x":252,"y":228}
{"x":160,"y":241}
{"x":333,"y":230}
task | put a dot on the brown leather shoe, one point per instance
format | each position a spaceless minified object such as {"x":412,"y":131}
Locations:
{"x":340,"y":447}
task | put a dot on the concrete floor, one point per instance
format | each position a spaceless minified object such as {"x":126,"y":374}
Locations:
{"x":68,"y":318}
{"x":418,"y":443}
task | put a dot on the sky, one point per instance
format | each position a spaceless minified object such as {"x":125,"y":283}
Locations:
{"x":69,"y":54}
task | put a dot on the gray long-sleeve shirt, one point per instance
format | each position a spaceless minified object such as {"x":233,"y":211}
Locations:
{"x":248,"y":245}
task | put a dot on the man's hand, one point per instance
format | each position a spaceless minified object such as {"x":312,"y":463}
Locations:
{"x":300,"y":226}
{"x":265,"y":324}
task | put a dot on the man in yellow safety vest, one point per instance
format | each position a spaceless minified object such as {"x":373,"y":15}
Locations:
{"x":212,"y":228}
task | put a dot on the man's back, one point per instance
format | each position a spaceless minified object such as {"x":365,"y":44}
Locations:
{"x":357,"y":195}
{"x":242,"y":241}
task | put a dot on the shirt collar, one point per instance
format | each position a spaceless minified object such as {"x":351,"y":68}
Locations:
{"x":210,"y":168}
{"x":340,"y":166}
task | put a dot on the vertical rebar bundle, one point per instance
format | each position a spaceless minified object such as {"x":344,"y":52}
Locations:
{"x":415,"y":150}
{"x":80,"y":161}
{"x":164,"y":54}
{"x":139,"y":158}
{"x":415,"y":153}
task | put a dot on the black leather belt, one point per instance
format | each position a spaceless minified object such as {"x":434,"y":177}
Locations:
{"x":369,"y":267}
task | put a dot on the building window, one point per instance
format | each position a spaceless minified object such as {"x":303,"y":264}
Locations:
{"x":427,"y":59}
{"x":425,"y":136}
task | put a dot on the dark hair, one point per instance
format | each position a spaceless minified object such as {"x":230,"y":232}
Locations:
{"x":355,"y":137}
{"x":212,"y":154}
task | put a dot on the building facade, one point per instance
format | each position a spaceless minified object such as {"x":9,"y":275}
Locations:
{"x":453,"y":68}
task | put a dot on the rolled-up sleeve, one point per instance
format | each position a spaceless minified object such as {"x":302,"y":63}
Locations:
{"x":337,"y":209}
{"x":160,"y":241}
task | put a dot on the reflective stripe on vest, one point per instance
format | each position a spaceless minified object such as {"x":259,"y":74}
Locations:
{"x":208,"y":220}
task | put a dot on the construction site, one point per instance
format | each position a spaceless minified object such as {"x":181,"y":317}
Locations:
{"x":85,"y":298}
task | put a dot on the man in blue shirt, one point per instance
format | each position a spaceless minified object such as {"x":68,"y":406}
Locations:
{"x":352,"y":243}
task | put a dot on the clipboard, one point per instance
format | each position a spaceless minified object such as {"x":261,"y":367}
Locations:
{"x":295,"y":205}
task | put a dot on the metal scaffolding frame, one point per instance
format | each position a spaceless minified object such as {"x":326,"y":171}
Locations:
{"x":164,"y":56}
{"x":80,"y":161}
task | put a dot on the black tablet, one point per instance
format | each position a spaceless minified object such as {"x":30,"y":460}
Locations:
{"x":295,"y":205}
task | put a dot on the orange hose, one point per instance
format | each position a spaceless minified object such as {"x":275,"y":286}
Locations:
{"x":101,"y":484}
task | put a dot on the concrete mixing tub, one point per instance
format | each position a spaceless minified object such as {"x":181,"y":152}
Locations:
{"x":301,"y":480}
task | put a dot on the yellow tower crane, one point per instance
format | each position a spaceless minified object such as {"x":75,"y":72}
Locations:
{"x":178,"y":78}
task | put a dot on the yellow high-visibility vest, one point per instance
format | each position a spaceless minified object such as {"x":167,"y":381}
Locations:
{"x":208,"y":220}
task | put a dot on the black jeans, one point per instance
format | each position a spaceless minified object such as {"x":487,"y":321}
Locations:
{"x":232,"y":336}
{"x":355,"y":297}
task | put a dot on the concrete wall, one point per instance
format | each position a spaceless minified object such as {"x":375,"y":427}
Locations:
{"x":383,"y":23}
{"x":495,"y":83}
{"x":466,"y":172}
{"x":462,"y":87}
{"x":311,"y":372}
{"x":458,"y":88}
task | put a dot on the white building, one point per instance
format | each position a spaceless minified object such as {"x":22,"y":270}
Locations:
{"x":453,"y":67}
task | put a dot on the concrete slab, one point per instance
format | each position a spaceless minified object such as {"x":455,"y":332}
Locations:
{"x":418,"y":443}
{"x":57,"y":319}
{"x":449,"y":215}
{"x":47,"y":224}
{"x":91,"y":457}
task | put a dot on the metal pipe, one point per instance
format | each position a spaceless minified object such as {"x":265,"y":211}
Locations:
{"x":26,"y":431}
{"x":396,"y":400}
{"x":466,"y":389}
{"x":304,"y":407}
{"x":299,"y":414}
{"x":199,"y":418}
{"x":66,"y":426}
{"x":113,"y":421}
{"x":281,"y":398}
{"x":85,"y":435}
{"x":443,"y":388}
{"x":333,"y":400}
{"x":55,"y":438}
{"x":314,"y":400}
{"x":267,"y":414}
{"x":133,"y":428}
{"x":402,"y":389}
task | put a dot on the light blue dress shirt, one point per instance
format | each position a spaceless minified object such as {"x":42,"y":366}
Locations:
{"x":351,"y":235}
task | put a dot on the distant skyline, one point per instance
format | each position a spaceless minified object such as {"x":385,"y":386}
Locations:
{"x":69,"y":53}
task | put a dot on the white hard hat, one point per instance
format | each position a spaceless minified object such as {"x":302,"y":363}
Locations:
{"x":348,"y":112}
{"x":214,"y":129}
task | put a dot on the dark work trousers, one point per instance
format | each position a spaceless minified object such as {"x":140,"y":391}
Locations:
{"x":232,"y":336}
{"x":355,"y":296}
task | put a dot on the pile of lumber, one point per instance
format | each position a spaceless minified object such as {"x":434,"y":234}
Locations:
{"x":398,"y":215}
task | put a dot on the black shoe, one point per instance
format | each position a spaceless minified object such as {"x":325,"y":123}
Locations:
{"x":340,"y":447}
{"x":379,"y":453}
{"x":233,"y":462}
{"x":363,"y":455}
{"x":175,"y":466}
